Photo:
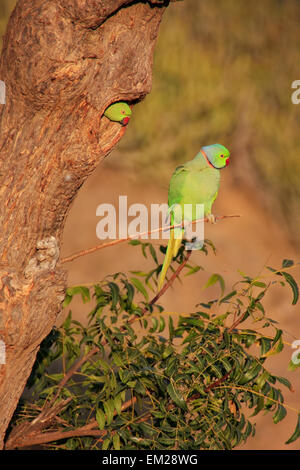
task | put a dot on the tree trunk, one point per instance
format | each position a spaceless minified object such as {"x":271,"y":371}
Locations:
{"x":63,"y":62}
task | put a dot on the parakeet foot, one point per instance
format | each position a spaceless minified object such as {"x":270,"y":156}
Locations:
{"x":211,"y":218}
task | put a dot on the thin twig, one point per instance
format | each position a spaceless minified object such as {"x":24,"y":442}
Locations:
{"x":237,"y":322}
{"x":167,"y":284}
{"x":43,"y":438}
{"x":73,"y":370}
{"x":46,"y":437}
{"x":88,"y":251}
{"x":217,"y":382}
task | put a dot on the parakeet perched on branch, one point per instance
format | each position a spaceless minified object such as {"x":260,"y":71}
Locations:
{"x":195,"y":182}
{"x":119,"y":112}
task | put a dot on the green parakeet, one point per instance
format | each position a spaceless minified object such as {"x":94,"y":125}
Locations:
{"x":119,"y":112}
{"x":195,"y":182}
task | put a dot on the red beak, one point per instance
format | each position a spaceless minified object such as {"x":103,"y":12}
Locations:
{"x":227,"y":162}
{"x":125,"y":121}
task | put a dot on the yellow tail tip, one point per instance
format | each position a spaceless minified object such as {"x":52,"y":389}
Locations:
{"x":172,"y":250}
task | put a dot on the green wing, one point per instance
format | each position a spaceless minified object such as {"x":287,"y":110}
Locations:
{"x":177,"y":185}
{"x":176,"y":188}
{"x":191,"y":184}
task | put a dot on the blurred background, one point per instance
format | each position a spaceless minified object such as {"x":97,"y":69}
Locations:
{"x":222,"y":72}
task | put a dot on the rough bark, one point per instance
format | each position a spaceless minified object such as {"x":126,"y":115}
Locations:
{"x":63,"y":62}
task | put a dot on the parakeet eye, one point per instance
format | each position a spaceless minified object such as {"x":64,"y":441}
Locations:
{"x":222,"y":156}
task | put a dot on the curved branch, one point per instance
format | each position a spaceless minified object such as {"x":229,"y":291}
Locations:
{"x":89,"y":251}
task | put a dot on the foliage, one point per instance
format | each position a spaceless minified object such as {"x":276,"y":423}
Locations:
{"x":142,"y":378}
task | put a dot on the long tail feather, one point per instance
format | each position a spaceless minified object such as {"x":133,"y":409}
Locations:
{"x":177,"y":244}
{"x":172,"y":250}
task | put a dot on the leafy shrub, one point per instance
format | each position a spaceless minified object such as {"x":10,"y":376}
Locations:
{"x":137,"y":377}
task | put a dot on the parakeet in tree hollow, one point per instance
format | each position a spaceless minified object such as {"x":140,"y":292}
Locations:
{"x":119,"y":112}
{"x":195,"y":182}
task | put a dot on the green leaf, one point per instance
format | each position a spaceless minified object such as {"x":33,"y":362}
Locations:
{"x":219,"y":320}
{"x":287,"y":263}
{"x":213,"y":279}
{"x":285,"y":382}
{"x":130,"y":292}
{"x":258,"y":284}
{"x":118,"y":403}
{"x":250,"y":374}
{"x":280,"y":414}
{"x":116,"y":441}
{"x":105,"y":444}
{"x":115,"y":294}
{"x":228,"y":296}
{"x":139,"y":273}
{"x":210,"y":244}
{"x":96,"y":378}
{"x":139,"y":286}
{"x":109,"y":410}
{"x":154,"y":321}
{"x":148,"y":430}
{"x":277,"y":336}
{"x":68,"y":299}
{"x":100,"y":417}
{"x":85,"y":294}
{"x":193,"y":270}
{"x":296,"y":433}
{"x":117,"y":359}
{"x":176,"y":396}
{"x":67,"y":322}
{"x":153,"y":253}
{"x":134,"y":242}
{"x":291,"y":281}
{"x":167,"y":352}
{"x":171,"y":329}
{"x":244,"y":275}
{"x":271,"y":351}
{"x":144,"y":246}
{"x":260,"y":404}
{"x":162,"y":324}
{"x":71,"y":291}
{"x":261,"y":380}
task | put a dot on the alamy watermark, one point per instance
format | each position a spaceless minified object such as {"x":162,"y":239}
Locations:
{"x":2,"y":352}
{"x":2,"y":92}
{"x":295,"y":97}
{"x":296,"y":354}
{"x":113,"y":226}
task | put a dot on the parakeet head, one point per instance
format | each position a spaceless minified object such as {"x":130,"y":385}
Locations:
{"x":119,"y":112}
{"x":217,"y":155}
